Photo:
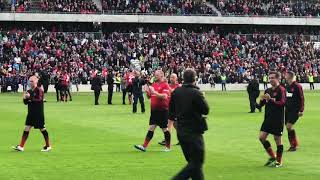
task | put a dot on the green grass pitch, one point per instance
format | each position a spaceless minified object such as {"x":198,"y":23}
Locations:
{"x":96,"y":142}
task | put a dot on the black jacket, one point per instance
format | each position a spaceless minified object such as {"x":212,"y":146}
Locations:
{"x":253,"y":87}
{"x":96,"y":84}
{"x":137,"y":85}
{"x":110,"y":81}
{"x":188,"y":106}
{"x":56,"y":82}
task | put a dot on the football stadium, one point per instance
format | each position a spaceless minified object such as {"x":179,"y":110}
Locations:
{"x":159,"y":89}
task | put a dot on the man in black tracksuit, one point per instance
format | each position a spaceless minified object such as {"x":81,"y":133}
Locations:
{"x":137,"y":84}
{"x":253,"y":91}
{"x":190,"y":125}
{"x":110,"y":82}
{"x":96,"y":85}
{"x":57,"y":85}
{"x":45,"y":80}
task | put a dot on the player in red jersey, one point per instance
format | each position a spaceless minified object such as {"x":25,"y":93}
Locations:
{"x":129,"y":78}
{"x":65,"y":80}
{"x":159,"y":94}
{"x":174,"y":84}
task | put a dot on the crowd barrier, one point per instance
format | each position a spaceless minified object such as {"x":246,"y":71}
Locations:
{"x":203,"y":87}
{"x":38,"y":17}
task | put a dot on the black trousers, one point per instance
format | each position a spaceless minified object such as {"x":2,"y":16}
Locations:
{"x":224,"y":87}
{"x":193,"y":150}
{"x":68,"y":91}
{"x":63,"y":93}
{"x":96,"y":96}
{"x":45,"y":88}
{"x":57,"y":94}
{"x":253,"y":101}
{"x":117,"y":87}
{"x":311,"y":86}
{"x":124,"y":93}
{"x":137,"y":97}
{"x":110,"y":93}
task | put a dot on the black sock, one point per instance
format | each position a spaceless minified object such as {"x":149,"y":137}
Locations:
{"x":291,"y":133}
{"x":24,"y":138}
{"x":167,"y":137}
{"x":150,"y":134}
{"x":46,"y":137}
{"x":266,"y":145}
{"x":279,"y":153}
{"x":148,"y":139}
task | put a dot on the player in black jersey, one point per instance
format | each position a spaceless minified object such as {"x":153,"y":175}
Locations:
{"x":294,"y":108}
{"x":35,"y":118}
{"x":274,"y":99}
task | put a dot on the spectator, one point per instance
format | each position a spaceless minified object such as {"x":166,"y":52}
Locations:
{"x":269,"y":7}
{"x":70,"y":6}
{"x":178,"y":7}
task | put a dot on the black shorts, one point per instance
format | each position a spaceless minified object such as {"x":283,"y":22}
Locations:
{"x":272,"y":128}
{"x":291,"y":117}
{"x":159,"y":118}
{"x":36,"y":123}
{"x":129,"y":89}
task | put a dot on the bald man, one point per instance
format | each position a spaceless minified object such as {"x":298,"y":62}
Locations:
{"x":35,"y":118}
{"x":159,"y":94}
{"x":174,"y":84}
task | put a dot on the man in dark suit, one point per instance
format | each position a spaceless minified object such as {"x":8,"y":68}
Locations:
{"x":45,"y":79}
{"x":96,"y":85}
{"x":253,"y":92}
{"x":191,"y":124}
{"x":110,"y":82}
{"x":57,"y":85}
{"x":137,"y":84}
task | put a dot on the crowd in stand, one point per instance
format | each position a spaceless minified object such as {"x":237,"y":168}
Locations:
{"x":297,"y":8}
{"x":171,"y":7}
{"x":20,"y":5}
{"x":2,"y":5}
{"x":269,"y":7}
{"x":212,"y":55}
{"x":76,"y":6}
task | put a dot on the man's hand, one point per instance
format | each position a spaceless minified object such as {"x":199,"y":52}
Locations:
{"x":26,"y":95}
{"x":165,"y":96}
{"x":147,"y":90}
{"x":152,"y":91}
{"x":300,"y":114}
{"x":267,"y":97}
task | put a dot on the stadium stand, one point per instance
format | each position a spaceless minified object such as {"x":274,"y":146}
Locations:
{"x":166,"y":7}
{"x":269,"y":7}
{"x":69,"y":6}
{"x":105,"y":41}
{"x":239,"y":56}
{"x":279,"y":8}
